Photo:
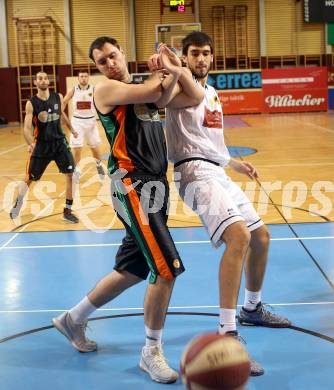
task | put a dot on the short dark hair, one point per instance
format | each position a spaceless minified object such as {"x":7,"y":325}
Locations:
{"x":196,"y":38}
{"x":98,"y":44}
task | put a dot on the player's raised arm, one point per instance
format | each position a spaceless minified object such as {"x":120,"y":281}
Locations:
{"x":111,"y":93}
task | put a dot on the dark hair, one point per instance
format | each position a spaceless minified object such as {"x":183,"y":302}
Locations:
{"x":98,"y":44}
{"x":196,"y":38}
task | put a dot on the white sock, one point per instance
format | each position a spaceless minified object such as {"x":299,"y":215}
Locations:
{"x":227,"y":320}
{"x":82,"y":311}
{"x":252,"y":299}
{"x":153,"y":337}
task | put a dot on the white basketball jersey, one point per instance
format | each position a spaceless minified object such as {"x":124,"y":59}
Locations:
{"x":197,"y":131}
{"x":82,"y":102}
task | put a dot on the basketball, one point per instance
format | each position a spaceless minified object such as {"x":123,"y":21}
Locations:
{"x":213,"y":361}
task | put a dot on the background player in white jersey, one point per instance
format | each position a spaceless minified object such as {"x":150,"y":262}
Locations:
{"x":196,"y":147}
{"x":84,"y":122}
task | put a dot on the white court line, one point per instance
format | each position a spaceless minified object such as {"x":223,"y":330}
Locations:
{"x":312,"y":125}
{"x":10,"y":150}
{"x":4,"y":246}
{"x":169,"y":308}
{"x":176,"y":242}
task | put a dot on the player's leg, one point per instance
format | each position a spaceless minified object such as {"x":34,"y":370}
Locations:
{"x":93,"y":141}
{"x":256,"y":261}
{"x":236,"y":238}
{"x":35,"y":168}
{"x":98,"y":160}
{"x":253,"y":311}
{"x":76,"y":145}
{"x":203,"y":188}
{"x":127,"y":273}
{"x":23,"y":189}
{"x":145,"y":205}
{"x":65,"y":163}
{"x":72,"y":324}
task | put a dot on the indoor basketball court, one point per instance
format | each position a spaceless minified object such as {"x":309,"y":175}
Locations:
{"x":48,"y":265}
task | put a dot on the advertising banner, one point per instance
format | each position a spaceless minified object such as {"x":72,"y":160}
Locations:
{"x":241,"y":102}
{"x":295,"y":89}
{"x":239,"y":91}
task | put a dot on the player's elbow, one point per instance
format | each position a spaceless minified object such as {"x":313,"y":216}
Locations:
{"x":198,"y":97}
{"x":156,"y":95}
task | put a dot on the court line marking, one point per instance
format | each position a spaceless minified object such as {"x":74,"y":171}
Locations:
{"x":10,"y":150}
{"x":305,"y":123}
{"x":118,"y":244}
{"x":4,"y":246}
{"x":169,"y":308}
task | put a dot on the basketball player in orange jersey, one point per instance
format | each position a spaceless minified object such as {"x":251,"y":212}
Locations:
{"x":196,"y":147}
{"x":138,"y":166}
{"x":47,"y":143}
{"x":84,"y":122}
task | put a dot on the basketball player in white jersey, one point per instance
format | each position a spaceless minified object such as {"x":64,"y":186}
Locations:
{"x":196,"y":147}
{"x":84,"y":122}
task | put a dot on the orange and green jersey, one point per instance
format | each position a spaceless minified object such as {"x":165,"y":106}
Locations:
{"x":136,"y":139}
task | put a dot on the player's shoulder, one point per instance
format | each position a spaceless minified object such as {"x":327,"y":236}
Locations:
{"x":107,"y":85}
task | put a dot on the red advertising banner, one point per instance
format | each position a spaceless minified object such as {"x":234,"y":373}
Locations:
{"x":241,"y":102}
{"x":295,"y":89}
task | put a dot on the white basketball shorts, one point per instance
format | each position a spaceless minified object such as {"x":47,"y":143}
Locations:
{"x":87,"y":131}
{"x":218,"y":201}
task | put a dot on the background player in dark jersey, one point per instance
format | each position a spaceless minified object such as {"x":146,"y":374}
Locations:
{"x":139,"y":159}
{"x":46,"y":143}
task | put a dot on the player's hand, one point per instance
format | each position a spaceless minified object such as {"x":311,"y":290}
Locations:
{"x":154,"y":62}
{"x":174,"y":59}
{"x":156,"y":75}
{"x":169,"y":60}
{"x":245,"y":168}
{"x":75,"y":134}
{"x":31,"y":148}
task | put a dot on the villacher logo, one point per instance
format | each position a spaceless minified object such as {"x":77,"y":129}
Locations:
{"x":289,"y":101}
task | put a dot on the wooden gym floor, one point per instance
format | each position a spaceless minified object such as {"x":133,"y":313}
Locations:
{"x":294,"y":158}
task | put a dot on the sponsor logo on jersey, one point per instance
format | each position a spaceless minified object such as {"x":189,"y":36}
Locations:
{"x":145,"y":114}
{"x":84,"y":105}
{"x":213,"y":119}
{"x":45,"y":116}
{"x":176,"y":263}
